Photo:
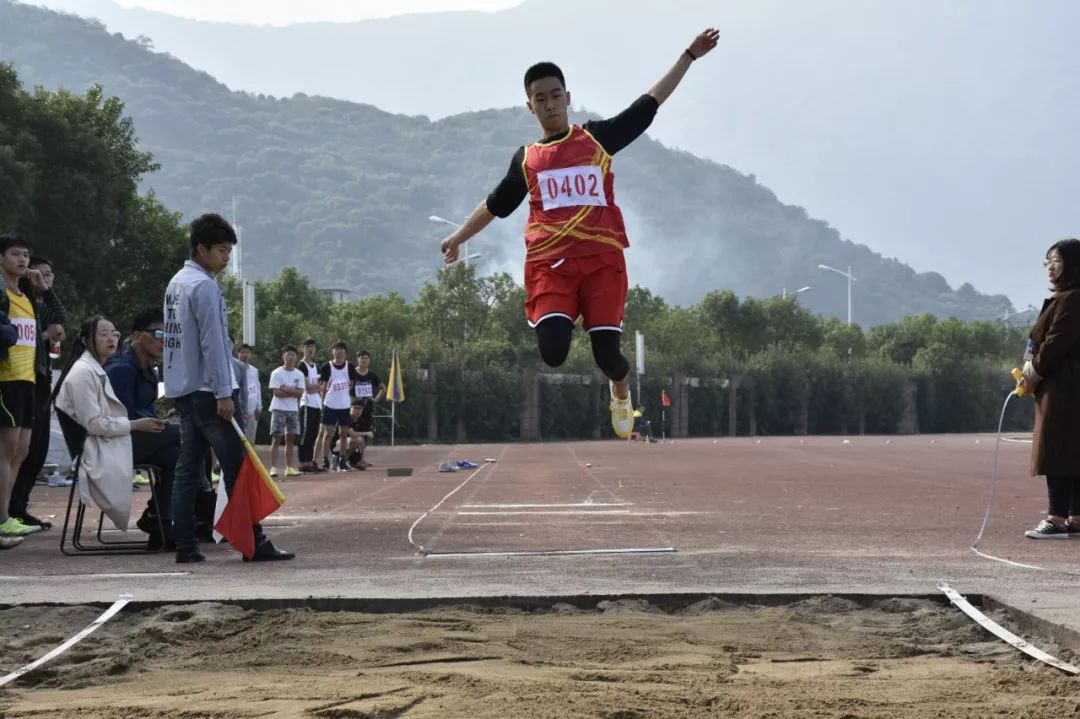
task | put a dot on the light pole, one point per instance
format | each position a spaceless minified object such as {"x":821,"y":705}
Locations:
{"x":1005,"y":317}
{"x":796,"y":293}
{"x":850,"y":279}
{"x":444,"y":221}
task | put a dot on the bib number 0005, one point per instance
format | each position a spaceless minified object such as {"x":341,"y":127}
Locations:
{"x":572,"y":187}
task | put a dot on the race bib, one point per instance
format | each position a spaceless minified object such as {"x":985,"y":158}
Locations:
{"x":363,"y":390}
{"x":27,"y":329}
{"x":572,"y":187}
{"x":339,"y":387}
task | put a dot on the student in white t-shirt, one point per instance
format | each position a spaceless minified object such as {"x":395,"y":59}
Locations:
{"x":336,"y":378}
{"x":253,"y":406}
{"x":310,"y":407}
{"x":287,"y":386}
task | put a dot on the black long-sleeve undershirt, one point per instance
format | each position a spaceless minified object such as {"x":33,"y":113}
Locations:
{"x":613,"y":134}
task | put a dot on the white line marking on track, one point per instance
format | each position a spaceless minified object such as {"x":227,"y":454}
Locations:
{"x":125,"y":575}
{"x":563,"y":512}
{"x":554,"y":552}
{"x":586,"y":503}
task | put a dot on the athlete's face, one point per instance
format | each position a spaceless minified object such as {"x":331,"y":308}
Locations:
{"x":15,"y":261}
{"x":549,"y":101}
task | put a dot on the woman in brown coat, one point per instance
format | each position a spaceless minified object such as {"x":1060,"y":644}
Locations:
{"x":1052,"y":374}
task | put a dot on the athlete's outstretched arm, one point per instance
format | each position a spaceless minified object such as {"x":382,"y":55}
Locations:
{"x":701,"y":45}
{"x":480,"y":218}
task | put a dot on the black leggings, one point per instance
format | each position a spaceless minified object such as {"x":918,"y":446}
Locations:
{"x":1064,"y":494}
{"x":553,"y":337}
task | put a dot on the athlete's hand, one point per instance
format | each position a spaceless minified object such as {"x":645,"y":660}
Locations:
{"x":704,"y":42}
{"x":449,"y":251}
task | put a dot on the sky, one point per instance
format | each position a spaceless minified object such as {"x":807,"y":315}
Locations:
{"x":938,"y":133}
{"x":287,"y":12}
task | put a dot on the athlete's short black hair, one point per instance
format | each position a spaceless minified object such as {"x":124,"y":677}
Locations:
{"x":147,"y":317}
{"x":288,"y":348}
{"x":310,"y":341}
{"x":8,"y":241}
{"x":245,"y":346}
{"x":1069,"y":249}
{"x":541,"y":70}
{"x":38,"y":260}
{"x":209,"y":230}
{"x":363,"y":353}
{"x":340,"y":345}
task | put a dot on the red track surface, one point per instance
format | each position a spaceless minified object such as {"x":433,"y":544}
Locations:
{"x":892,"y":515}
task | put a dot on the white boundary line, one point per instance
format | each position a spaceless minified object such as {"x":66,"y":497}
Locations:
{"x":1009,"y":561}
{"x":106,"y":616}
{"x":545,"y":506}
{"x":553,"y":552}
{"x":560,"y":512}
{"x":127,"y":575}
{"x":1004,"y":634}
{"x":419,"y":547}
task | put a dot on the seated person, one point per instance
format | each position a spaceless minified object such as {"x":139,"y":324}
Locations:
{"x":136,"y":385}
{"x":85,"y":394}
{"x":359,"y":431}
{"x":642,"y":426}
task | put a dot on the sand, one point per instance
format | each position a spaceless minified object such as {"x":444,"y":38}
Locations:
{"x":822,"y":657}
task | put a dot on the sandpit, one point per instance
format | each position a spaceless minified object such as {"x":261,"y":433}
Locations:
{"x":625,"y":659}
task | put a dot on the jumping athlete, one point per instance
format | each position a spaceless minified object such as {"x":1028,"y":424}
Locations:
{"x":575,"y":236}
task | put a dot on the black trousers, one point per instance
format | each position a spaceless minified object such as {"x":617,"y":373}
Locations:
{"x":39,"y":450}
{"x":161,"y":450}
{"x":309,"y":420}
{"x":1064,"y":494}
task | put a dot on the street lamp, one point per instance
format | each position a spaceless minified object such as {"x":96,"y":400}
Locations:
{"x":796,"y":293}
{"x":850,"y":279}
{"x":1005,"y":317}
{"x":444,"y":221}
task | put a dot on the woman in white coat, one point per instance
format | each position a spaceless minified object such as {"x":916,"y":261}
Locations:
{"x":85,"y":394}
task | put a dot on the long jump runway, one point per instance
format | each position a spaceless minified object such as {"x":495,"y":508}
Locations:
{"x":775,"y":514}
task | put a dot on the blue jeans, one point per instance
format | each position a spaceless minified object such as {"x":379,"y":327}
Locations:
{"x":200,"y":431}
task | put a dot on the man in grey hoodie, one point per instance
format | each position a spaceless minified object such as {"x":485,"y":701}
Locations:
{"x":199,"y":377}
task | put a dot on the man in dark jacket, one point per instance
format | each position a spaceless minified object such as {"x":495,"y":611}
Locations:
{"x":132,"y":377}
{"x":51,"y":317}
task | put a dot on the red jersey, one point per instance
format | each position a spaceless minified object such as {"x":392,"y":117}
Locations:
{"x":572,"y":210}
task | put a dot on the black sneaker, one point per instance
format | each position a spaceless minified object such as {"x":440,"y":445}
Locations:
{"x":1047,"y":530}
{"x":31,"y":520}
{"x":326,"y":464}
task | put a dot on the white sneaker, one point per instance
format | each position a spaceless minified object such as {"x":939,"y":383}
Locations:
{"x":622,"y":413}
{"x":273,"y":471}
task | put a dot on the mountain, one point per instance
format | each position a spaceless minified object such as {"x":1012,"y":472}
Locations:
{"x":939,"y":133}
{"x":343,"y":190}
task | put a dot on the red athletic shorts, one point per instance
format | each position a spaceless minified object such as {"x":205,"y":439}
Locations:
{"x":592,"y":287}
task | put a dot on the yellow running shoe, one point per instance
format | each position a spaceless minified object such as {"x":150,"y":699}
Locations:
{"x":14,"y":528}
{"x":292,"y":472}
{"x":622,"y":413}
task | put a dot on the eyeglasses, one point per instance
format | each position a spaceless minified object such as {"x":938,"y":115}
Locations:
{"x":108,"y":334}
{"x":1056,"y":262}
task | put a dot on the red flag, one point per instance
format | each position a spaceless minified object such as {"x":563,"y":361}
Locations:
{"x":254,"y":496}
{"x":665,"y":401}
